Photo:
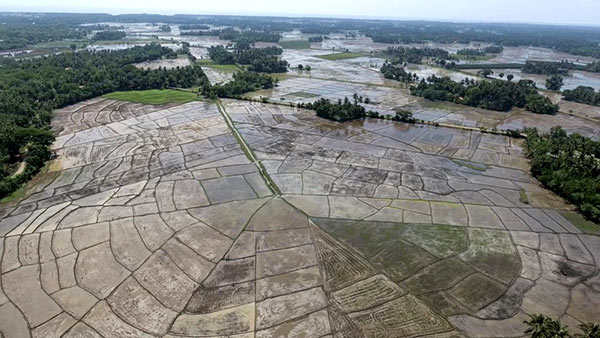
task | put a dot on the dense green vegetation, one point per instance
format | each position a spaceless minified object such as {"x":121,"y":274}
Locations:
{"x":547,"y":67}
{"x":262,"y":60}
{"x":471,"y":52}
{"x":555,"y":82}
{"x":154,"y":96}
{"x":413,"y":55}
{"x":19,"y":35}
{"x":488,"y":94}
{"x":583,"y":94}
{"x":493,"y":49}
{"x":569,"y":165}
{"x":340,"y":111}
{"x":397,"y":73}
{"x":109,"y":35}
{"x":31,"y":88}
{"x":243,"y":82}
{"x":315,"y":39}
{"x":348,"y":110}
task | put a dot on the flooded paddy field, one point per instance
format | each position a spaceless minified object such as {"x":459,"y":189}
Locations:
{"x":575,"y":78}
{"x":157,"y":221}
{"x":360,"y":70}
{"x":301,"y":89}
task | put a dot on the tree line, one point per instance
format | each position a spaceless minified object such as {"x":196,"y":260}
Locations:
{"x":31,"y":88}
{"x":487,"y":94}
{"x":583,"y":94}
{"x":577,"y":40}
{"x":547,"y":67}
{"x":108,"y":35}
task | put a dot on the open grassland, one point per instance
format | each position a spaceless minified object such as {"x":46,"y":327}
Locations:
{"x":339,"y":56}
{"x":154,"y":96}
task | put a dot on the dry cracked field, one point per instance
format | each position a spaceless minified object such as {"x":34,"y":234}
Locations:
{"x":166,"y":221}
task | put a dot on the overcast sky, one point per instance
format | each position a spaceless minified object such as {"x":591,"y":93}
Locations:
{"x":583,"y":12}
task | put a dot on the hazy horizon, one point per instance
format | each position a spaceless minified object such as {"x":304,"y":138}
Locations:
{"x":578,"y":12}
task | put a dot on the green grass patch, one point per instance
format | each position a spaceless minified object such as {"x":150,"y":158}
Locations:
{"x":153,"y":96}
{"x":339,"y":56}
{"x":581,"y":223}
{"x":16,"y":195}
{"x":304,"y":95}
{"x":295,"y":44}
{"x":210,"y":64}
{"x":61,"y":44}
{"x":523,"y":196}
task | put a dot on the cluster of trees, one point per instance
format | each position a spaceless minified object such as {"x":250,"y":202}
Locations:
{"x":493,"y":94}
{"x":493,"y":49}
{"x":480,"y":51}
{"x":318,"y":38}
{"x":109,"y":35}
{"x":547,"y":67}
{"x":243,"y":82}
{"x":593,"y":67}
{"x":165,"y":28}
{"x":583,"y":94}
{"x":347,"y":110}
{"x":262,"y":60}
{"x":569,"y":165}
{"x":555,"y":82}
{"x":212,"y":32}
{"x":19,"y":35}
{"x":397,"y":73}
{"x":413,"y":55}
{"x":340,"y":111}
{"x":31,"y":88}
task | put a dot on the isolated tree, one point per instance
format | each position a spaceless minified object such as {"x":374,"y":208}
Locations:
{"x":486,"y":72}
{"x":501,"y":75}
{"x":300,"y":67}
{"x":555,"y":82}
{"x":307,"y":68}
{"x":509,"y":77}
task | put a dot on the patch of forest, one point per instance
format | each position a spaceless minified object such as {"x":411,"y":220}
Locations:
{"x":496,"y":95}
{"x":569,"y":165}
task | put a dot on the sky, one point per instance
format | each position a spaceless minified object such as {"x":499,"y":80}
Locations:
{"x":578,"y":12}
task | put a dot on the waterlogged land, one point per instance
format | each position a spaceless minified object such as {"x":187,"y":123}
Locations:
{"x":165,"y":214}
{"x":247,"y":219}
